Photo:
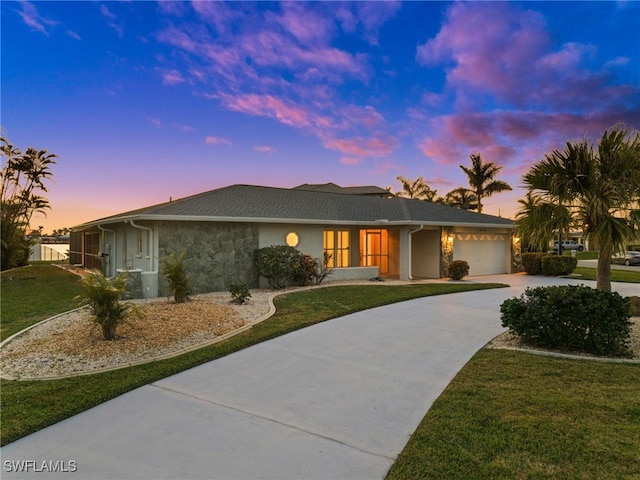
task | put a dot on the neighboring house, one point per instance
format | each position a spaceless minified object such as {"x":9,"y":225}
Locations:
{"x":370,"y":190}
{"x":366,"y":235}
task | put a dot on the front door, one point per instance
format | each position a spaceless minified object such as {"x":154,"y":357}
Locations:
{"x":374,"y":249}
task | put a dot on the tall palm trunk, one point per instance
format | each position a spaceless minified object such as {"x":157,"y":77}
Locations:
{"x":603,"y":275}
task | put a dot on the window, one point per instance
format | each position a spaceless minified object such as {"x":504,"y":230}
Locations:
{"x":336,"y":245}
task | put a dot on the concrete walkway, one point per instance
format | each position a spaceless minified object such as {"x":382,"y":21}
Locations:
{"x":338,"y":400}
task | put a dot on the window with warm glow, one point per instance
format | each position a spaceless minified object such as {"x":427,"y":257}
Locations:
{"x":336,"y":245}
{"x":374,"y":249}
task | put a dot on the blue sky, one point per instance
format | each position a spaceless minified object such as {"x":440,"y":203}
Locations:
{"x":146,"y":100}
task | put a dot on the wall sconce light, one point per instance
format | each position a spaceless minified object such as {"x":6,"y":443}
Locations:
{"x":292,"y":239}
{"x":516,"y":239}
{"x":450,"y":239}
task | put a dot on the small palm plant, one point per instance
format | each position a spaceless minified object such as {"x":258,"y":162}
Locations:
{"x":103,"y":296}
{"x":175,"y":272}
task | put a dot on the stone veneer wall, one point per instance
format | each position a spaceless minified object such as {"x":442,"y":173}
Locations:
{"x":217,"y":254}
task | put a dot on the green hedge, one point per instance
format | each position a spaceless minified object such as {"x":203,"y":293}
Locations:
{"x":532,"y":262}
{"x":555,"y":265}
{"x":570,"y":318}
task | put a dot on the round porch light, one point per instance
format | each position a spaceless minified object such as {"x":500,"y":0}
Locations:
{"x":292,"y":239}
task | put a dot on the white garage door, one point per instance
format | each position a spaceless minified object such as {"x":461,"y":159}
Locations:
{"x":486,"y":254}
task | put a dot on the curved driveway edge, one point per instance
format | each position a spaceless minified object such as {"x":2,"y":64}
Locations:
{"x":338,"y":400}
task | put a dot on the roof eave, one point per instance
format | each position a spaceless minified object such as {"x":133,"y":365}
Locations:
{"x":204,"y":218}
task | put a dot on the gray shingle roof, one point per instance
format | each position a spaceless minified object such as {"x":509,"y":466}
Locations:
{"x":254,"y":203}
{"x":333,"y":188}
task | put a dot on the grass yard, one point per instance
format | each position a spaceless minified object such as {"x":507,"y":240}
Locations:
{"x":511,"y":415}
{"x":33,"y":293}
{"x":627,"y":276}
{"x":582,"y":255}
{"x":31,"y":406}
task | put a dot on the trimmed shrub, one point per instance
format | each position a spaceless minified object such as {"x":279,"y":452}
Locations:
{"x":532,"y":262}
{"x":239,"y":293}
{"x":570,"y":318}
{"x":103,"y":296}
{"x":277,"y":264}
{"x":635,"y":306}
{"x":458,"y":269}
{"x":283,"y":265}
{"x":175,"y":271}
{"x":555,"y":265}
{"x":304,"y":271}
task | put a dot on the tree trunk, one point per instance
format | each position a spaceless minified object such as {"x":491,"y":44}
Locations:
{"x":603,"y":276}
{"x":108,"y":331}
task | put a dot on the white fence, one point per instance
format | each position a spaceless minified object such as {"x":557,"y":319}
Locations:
{"x":51,"y":252}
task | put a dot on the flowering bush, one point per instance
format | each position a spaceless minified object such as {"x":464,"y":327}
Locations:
{"x":458,"y":269}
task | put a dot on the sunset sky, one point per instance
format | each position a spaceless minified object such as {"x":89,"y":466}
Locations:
{"x":143,"y":101}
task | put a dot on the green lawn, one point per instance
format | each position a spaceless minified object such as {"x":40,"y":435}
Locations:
{"x":627,"y":276}
{"x":33,"y":293}
{"x":513,"y":415}
{"x":582,"y":255}
{"x":31,"y":406}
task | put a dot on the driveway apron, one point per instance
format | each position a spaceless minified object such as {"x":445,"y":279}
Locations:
{"x":338,"y":400}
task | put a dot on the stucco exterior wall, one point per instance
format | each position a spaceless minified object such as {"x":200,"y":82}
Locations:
{"x":425,"y":254}
{"x":217,"y":254}
{"x":310,"y":237}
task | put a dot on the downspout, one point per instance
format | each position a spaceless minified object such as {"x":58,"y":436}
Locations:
{"x":411,"y":232}
{"x":108,"y":258}
{"x":149,"y":241}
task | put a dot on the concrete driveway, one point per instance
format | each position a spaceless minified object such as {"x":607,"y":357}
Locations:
{"x":338,"y":400}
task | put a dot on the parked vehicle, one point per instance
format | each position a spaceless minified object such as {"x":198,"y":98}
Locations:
{"x":568,"y":245}
{"x":630,"y":257}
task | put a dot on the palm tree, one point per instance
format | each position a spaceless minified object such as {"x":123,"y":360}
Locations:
{"x":539,"y":220}
{"x":481,"y":179}
{"x":22,"y":178}
{"x":417,"y":189}
{"x":462,"y":198}
{"x":599,"y":188}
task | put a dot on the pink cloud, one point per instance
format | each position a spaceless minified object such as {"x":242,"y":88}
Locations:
{"x":308,"y":26}
{"x":268,"y":106}
{"x":183,"y":128}
{"x":74,"y":35}
{"x":351,"y":161}
{"x":171,"y":7}
{"x":31,"y":17}
{"x":505,"y":52}
{"x":510,"y":138}
{"x":367,"y":116}
{"x":383,"y":168}
{"x":373,"y":15}
{"x":155,"y":121}
{"x":219,"y":14}
{"x":172,"y":77}
{"x":474,"y":33}
{"x":249,"y":42}
{"x":376,"y":146}
{"x":264,"y":149}
{"x":111,"y":19}
{"x":213,"y":140}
